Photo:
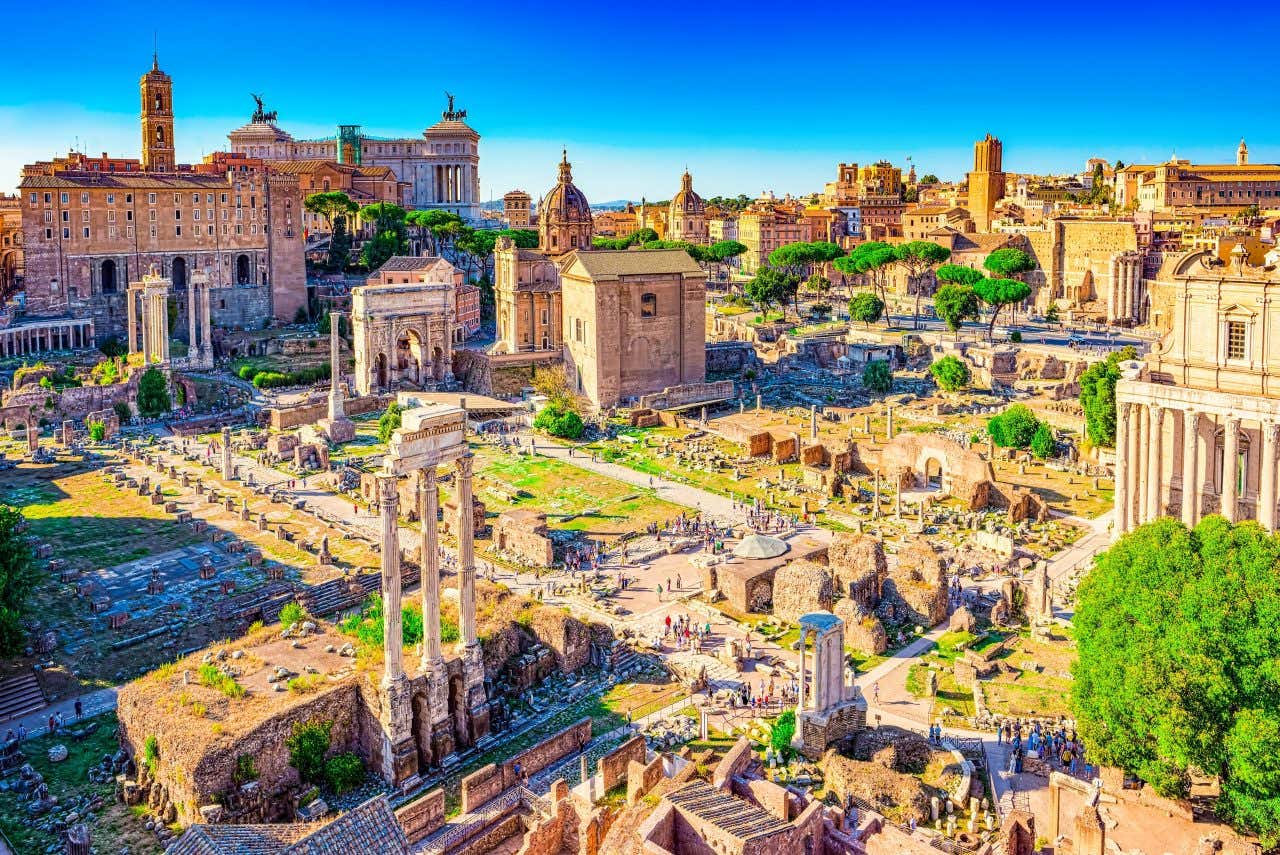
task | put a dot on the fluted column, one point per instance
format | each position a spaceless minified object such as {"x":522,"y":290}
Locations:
{"x":132,"y":310}
{"x":1230,"y":465}
{"x":1155,"y":464}
{"x":146,"y":331}
{"x":206,"y":323}
{"x":428,"y":503}
{"x":392,"y":633}
{"x":1122,"y":522}
{"x":466,"y":550}
{"x":193,"y":342}
{"x":1267,"y":477}
{"x":1190,"y":475}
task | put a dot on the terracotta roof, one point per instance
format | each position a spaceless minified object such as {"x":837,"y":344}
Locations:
{"x":127,"y":180}
{"x":403,"y":263}
{"x":610,"y":264}
{"x":370,"y":828}
{"x":302,"y":167}
{"x":981,"y":242}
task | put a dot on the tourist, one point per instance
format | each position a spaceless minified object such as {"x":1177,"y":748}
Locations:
{"x":79,"y":709}
{"x":10,"y":736}
{"x":22,"y":732}
{"x":52,"y":723}
{"x":60,"y":719}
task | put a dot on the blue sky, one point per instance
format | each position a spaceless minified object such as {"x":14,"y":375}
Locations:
{"x":748,"y":96}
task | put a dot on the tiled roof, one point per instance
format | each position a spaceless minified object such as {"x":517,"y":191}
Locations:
{"x":404,"y":263}
{"x":126,"y":180}
{"x":370,"y":829}
{"x":608,"y":263}
{"x":302,"y":167}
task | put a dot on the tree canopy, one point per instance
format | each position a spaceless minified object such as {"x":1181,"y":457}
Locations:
{"x":771,"y":286}
{"x":153,"y":394}
{"x":1008,"y":262}
{"x":1098,"y":396}
{"x":877,"y":376}
{"x":559,"y":421}
{"x":957,"y":274}
{"x":929,"y":178}
{"x":870,"y":260}
{"x":866,"y":308}
{"x":917,"y":258}
{"x":1177,"y":663}
{"x":799,"y":258}
{"x":954,"y":304}
{"x":950,"y":373}
{"x":18,"y":577}
{"x":1014,"y":428}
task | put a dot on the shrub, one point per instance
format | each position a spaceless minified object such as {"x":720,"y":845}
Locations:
{"x":559,"y":421}
{"x":245,"y":770}
{"x":345,"y":771}
{"x":305,"y":684}
{"x":113,"y":348}
{"x":307,"y":744}
{"x":246,"y":372}
{"x":877,"y":376}
{"x":784,"y":729}
{"x":153,"y":394}
{"x":1015,"y":336}
{"x":1042,"y":444}
{"x":950,"y":373}
{"x":123,"y":412}
{"x":210,"y":676}
{"x":389,"y":422}
{"x":97,"y":431}
{"x":1014,"y":428}
{"x":151,"y":754}
{"x":292,"y":613}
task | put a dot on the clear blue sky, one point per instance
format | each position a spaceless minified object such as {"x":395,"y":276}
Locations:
{"x":637,"y":92}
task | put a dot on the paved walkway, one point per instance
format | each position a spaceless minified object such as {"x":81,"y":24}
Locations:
{"x":37,"y":723}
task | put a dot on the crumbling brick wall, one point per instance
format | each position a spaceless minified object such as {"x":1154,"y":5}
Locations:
{"x":614,"y":765}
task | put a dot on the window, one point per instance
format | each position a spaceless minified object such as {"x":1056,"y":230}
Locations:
{"x":195,"y":198}
{"x":35,"y":197}
{"x":177,"y":213}
{"x":48,"y":234}
{"x":48,"y":197}
{"x":66,"y":216}
{"x":577,"y":328}
{"x":151,"y":198}
{"x":128,"y":198}
{"x":111,"y":198}
{"x":65,"y":198}
{"x":86,"y":231}
{"x":66,"y":233}
{"x":648,"y":305}
{"x":84,"y":198}
{"x":84,"y":216}
{"x":177,"y":231}
{"x":1235,"y":339}
{"x":128,"y":215}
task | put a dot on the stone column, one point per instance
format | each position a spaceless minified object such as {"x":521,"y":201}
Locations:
{"x":1121,"y":523}
{"x":1190,"y":477}
{"x":206,"y":323}
{"x":336,"y":410}
{"x":1230,"y":463}
{"x":193,"y":340}
{"x":428,"y":503}
{"x":392,"y":634}
{"x":228,"y":468}
{"x":1136,"y":465}
{"x":146,"y":329}
{"x":466,"y":550}
{"x":131,"y":306}
{"x":1267,"y":477}
{"x":888,"y":430}
{"x":800,"y":697}
{"x":1155,"y":463}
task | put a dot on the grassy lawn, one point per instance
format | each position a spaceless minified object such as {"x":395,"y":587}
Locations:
{"x":573,"y":499}
{"x":642,"y":699}
{"x":116,"y":825}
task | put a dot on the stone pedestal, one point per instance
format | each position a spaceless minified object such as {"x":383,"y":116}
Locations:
{"x":399,"y":754}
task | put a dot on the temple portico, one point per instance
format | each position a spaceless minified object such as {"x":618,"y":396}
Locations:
{"x":831,"y":709}
{"x":1187,"y":452}
{"x":148,"y":305}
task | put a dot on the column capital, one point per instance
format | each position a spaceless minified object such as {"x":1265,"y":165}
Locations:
{"x":427,"y":477}
{"x":465,"y":464}
{"x":387,"y":487}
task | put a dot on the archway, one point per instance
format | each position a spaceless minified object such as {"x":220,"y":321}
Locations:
{"x":437,"y":364}
{"x":178,"y":274}
{"x":422,"y":729}
{"x":933,"y":473}
{"x":108,"y":277}
{"x":242,"y":270}
{"x":409,"y":357}
{"x":380,"y":370}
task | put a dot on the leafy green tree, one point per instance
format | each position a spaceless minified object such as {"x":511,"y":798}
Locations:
{"x":1098,"y":396}
{"x":1051,"y":314}
{"x":389,"y":422}
{"x":344,"y":771}
{"x":799,"y":258}
{"x":18,"y":577}
{"x":523,"y":238}
{"x":153,"y":394}
{"x":782,"y":732}
{"x":957,"y":274}
{"x":955,"y":304}
{"x":308,"y":744}
{"x":1042,"y":443}
{"x":999,"y":293}
{"x":930,"y":178}
{"x":950,"y":373}
{"x":870,"y":261}
{"x":559,"y":421}
{"x":917,"y":258}
{"x":381,"y":247}
{"x":770,"y":287}
{"x":723,"y":251}
{"x":337,"y":208}
{"x":1009,"y":262}
{"x":866,"y":308}
{"x":97,"y":431}
{"x":1014,"y":428}
{"x":1176,"y":668}
{"x":123,"y":413}
{"x":339,"y":246}
{"x":877,"y":376}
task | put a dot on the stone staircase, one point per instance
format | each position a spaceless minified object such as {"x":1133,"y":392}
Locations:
{"x":19,"y":696}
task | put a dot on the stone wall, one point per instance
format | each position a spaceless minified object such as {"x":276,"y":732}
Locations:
{"x":965,"y":475}
{"x":641,"y":778}
{"x":689,"y":393}
{"x":523,"y":534}
{"x":284,"y":418}
{"x":730,"y":357}
{"x":735,"y":760}
{"x":568,"y":637}
{"x":614,"y":765}
{"x":801,"y":587}
{"x":486,"y":783}
{"x":422,"y":817}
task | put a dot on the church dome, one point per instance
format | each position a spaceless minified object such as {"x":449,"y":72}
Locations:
{"x":686,"y":199}
{"x":565,"y":203}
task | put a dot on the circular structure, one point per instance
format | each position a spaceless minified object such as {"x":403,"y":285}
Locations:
{"x":760,"y":546}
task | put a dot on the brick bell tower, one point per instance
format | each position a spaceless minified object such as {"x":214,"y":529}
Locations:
{"x":157,"y":120}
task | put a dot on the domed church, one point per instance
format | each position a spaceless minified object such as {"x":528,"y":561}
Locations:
{"x":564,"y":215}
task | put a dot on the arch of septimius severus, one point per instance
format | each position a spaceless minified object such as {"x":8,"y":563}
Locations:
{"x":1198,"y":421}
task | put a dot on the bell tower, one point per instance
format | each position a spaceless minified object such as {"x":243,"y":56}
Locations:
{"x":157,"y":120}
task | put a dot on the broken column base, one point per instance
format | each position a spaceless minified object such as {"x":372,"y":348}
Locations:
{"x":337,"y":430}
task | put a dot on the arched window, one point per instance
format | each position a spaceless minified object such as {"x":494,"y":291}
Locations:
{"x":648,"y":305}
{"x":108,"y":277}
{"x":160,"y":133}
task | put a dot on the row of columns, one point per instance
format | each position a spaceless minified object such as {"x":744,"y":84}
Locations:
{"x":151,"y":306}
{"x":1125,"y":300}
{"x":428,"y":509}
{"x":199,"y":321}
{"x":1142,"y":494}
{"x":20,"y":341}
{"x":451,"y":183}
